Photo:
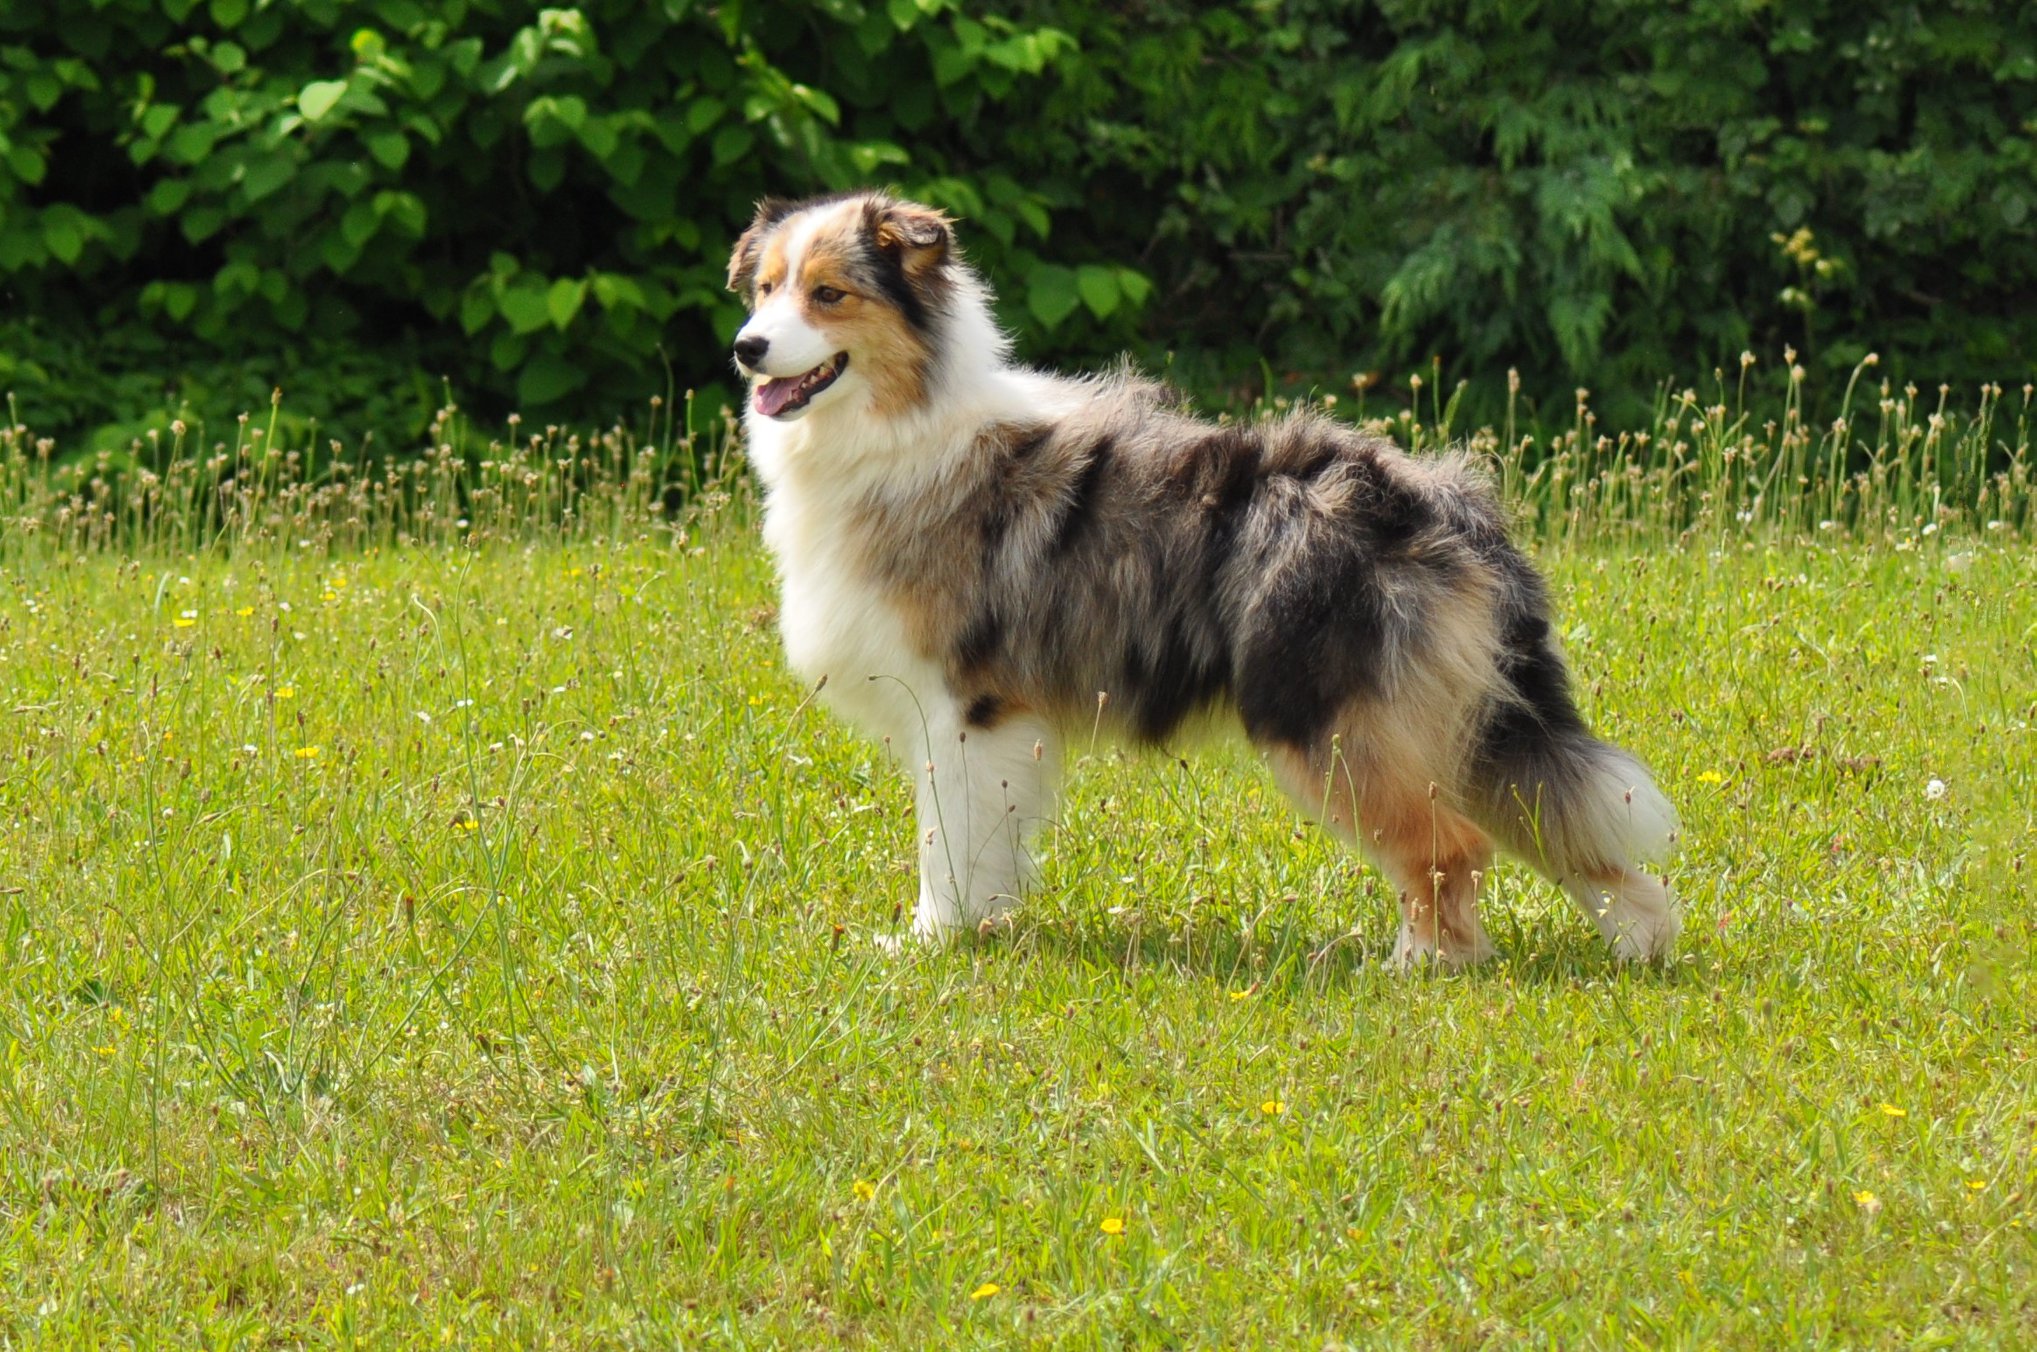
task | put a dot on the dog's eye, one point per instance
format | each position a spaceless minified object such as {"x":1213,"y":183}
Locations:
{"x":766,"y":288}
{"x":827,"y":295}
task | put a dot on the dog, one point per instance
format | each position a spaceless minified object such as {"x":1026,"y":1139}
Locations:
{"x":978,"y":560}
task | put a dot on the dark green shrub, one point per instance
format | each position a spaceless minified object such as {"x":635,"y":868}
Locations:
{"x":535,"y":203}
{"x":372,"y":197}
{"x":1605,"y":195}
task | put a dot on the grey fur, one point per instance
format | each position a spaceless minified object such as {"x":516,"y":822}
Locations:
{"x":1361,"y":611}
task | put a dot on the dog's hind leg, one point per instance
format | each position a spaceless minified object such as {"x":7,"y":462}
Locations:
{"x":985,"y":781}
{"x":1435,"y":858}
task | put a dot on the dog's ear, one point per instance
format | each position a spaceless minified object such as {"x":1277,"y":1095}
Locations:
{"x":749,"y":250}
{"x":919,"y":237}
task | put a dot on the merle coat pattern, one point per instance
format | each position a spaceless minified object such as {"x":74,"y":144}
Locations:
{"x":981,"y":559}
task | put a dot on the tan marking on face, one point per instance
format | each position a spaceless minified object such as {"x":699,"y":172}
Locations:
{"x":882,"y":346}
{"x":771,"y":268}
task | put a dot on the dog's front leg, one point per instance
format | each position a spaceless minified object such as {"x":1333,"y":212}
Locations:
{"x":983,"y":788}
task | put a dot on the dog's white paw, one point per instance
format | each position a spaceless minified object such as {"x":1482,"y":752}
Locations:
{"x":1647,"y":938}
{"x":897,"y":944}
{"x":1412,"y":953}
{"x":918,"y":939}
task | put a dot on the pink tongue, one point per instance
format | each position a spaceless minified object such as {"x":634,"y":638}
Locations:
{"x":774,"y":395}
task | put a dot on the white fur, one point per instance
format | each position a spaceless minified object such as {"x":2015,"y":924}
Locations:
{"x":1634,"y":913}
{"x":981,"y":795}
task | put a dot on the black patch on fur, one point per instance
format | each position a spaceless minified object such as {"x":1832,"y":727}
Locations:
{"x":1166,"y":686}
{"x":1321,"y":454}
{"x":980,"y":643}
{"x":1079,"y":515}
{"x":1318,"y":643}
{"x":1223,"y":468}
{"x":1234,"y":480}
{"x":985,"y":712}
{"x":1026,"y":447}
{"x":772,"y":210}
{"x":1004,"y":506}
{"x":887,"y":270}
{"x":1326,"y":632}
{"x":1528,"y":660}
{"x":997,"y":517}
{"x":749,"y":246}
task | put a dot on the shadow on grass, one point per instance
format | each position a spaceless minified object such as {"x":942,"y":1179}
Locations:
{"x":1299,"y":960}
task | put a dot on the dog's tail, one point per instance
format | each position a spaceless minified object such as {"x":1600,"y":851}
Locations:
{"x":1583,"y":811}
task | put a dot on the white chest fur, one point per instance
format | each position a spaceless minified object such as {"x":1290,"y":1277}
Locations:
{"x":838,"y":623}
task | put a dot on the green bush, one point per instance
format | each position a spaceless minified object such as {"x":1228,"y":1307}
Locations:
{"x":534,"y":205}
{"x":1600,"y":195}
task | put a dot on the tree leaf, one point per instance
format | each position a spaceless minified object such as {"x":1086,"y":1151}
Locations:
{"x":25,"y":165}
{"x":316,"y":99}
{"x":404,"y":210}
{"x":1099,"y":288}
{"x":63,"y":231}
{"x":1051,"y":293}
{"x":527,"y":308}
{"x":563,"y":301}
{"x":546,"y":379}
{"x":477,"y":307}
{"x":158,"y":120}
{"x":266,"y":174}
{"x":390,"y":148}
{"x":360,"y":223}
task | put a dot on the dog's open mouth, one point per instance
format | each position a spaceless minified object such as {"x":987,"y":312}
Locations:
{"x":776,"y":398}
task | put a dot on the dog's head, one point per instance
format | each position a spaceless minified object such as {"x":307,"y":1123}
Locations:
{"x":845,"y":296}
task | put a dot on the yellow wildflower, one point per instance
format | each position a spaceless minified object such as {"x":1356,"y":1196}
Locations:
{"x":1710,"y":777}
{"x":1890,"y":1110}
{"x":306,"y":753}
{"x":1112,"y":1225}
{"x":1273,"y":1107}
{"x":865,"y":1190}
{"x":985,"y":1291}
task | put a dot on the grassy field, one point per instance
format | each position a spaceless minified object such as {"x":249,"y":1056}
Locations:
{"x":424,"y":931}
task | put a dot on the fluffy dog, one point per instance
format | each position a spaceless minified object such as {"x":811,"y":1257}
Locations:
{"x":979,"y":559}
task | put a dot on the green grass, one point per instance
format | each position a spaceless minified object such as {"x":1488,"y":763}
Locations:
{"x":429,"y":934}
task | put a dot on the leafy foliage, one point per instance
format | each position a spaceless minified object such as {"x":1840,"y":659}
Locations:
{"x":535,"y":204}
{"x":1597,"y":194}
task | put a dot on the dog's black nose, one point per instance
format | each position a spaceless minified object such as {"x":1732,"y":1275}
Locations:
{"x":750,"y":351}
